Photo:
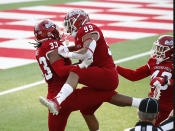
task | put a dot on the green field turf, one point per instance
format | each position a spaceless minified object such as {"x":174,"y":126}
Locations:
{"x":21,"y":111}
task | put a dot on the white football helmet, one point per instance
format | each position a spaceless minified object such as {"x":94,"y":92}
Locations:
{"x":74,"y":20}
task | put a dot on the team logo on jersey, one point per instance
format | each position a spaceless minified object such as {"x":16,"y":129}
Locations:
{"x":169,"y":42}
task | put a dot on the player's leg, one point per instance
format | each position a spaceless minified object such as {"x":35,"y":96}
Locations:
{"x":91,"y":122}
{"x":86,"y":98}
{"x":90,"y":118}
{"x":98,"y":78}
{"x":123,"y":100}
{"x":54,"y":104}
{"x":77,"y":101}
{"x":58,"y":122}
{"x":68,"y":87}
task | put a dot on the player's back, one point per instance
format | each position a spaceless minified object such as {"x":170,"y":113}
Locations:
{"x":102,"y":56}
{"x":54,"y":82}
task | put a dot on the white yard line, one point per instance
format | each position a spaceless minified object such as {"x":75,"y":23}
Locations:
{"x":21,"y":87}
{"x":41,"y":82}
{"x":132,"y":57}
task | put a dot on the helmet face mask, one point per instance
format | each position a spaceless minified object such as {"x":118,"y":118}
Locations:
{"x":67,"y":26}
{"x":163,"y":48}
{"x":74,"y":20}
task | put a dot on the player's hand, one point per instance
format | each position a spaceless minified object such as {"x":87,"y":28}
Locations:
{"x":86,"y":62}
{"x":63,"y":51}
{"x":66,"y":42}
{"x":159,"y":81}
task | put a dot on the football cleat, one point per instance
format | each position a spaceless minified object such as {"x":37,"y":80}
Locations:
{"x":52,"y":105}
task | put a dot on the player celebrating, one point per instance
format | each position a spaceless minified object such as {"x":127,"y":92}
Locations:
{"x":91,"y":49}
{"x":160,"y":68}
{"x":55,"y":70}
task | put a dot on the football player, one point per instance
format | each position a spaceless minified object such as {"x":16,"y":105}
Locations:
{"x":55,"y":70}
{"x":160,"y":68}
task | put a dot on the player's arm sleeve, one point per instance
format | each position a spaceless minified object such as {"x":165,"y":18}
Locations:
{"x":90,"y":42}
{"x":58,"y":64}
{"x":89,"y":46}
{"x":86,"y":52}
{"x":61,"y":69}
{"x":134,"y":75}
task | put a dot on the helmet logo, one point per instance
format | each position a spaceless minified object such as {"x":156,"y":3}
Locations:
{"x":169,"y":42}
{"x":49,"y":24}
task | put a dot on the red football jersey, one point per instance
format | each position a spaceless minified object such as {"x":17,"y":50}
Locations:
{"x":163,"y":69}
{"x":54,"y":82}
{"x":153,"y":69}
{"x":102,"y":56}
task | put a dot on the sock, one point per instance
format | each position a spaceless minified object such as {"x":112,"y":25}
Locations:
{"x":136,"y":102}
{"x":66,"y":90}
